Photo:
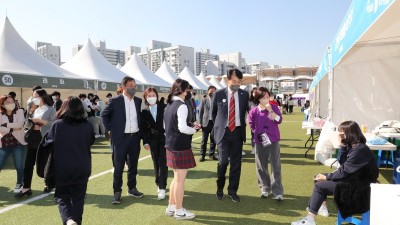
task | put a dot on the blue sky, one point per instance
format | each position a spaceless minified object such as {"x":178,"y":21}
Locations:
{"x":282,"y":32}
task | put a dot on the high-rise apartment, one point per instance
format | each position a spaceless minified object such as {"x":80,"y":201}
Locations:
{"x":201,"y":58}
{"x":50,"y":52}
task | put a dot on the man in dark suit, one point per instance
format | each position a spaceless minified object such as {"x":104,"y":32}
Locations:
{"x":121,"y":118}
{"x":229,"y":107}
{"x":207,"y":125}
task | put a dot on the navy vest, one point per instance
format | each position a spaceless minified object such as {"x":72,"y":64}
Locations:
{"x":174,"y":139}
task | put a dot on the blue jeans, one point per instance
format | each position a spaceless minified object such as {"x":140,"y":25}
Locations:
{"x":18,"y":153}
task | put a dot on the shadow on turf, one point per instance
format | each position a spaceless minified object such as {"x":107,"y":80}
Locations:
{"x":192,"y":174}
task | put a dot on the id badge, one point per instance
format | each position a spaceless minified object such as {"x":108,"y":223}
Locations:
{"x":265,"y":140}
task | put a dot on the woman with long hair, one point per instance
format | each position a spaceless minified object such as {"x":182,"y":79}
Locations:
{"x":178,"y":136}
{"x":152,"y":127}
{"x":71,"y":137}
{"x":12,"y":136}
{"x":41,"y":115}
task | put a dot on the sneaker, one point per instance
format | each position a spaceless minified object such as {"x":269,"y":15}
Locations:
{"x":18,"y":188}
{"x":253,"y":151}
{"x":234,"y":197}
{"x":303,"y":221}
{"x":71,"y":222}
{"x":186,"y":215}
{"x":117,"y":198}
{"x":170,"y":210}
{"x":135,"y":193}
{"x":220,"y":194}
{"x":202,"y":159}
{"x":102,"y":135}
{"x":278,"y":197}
{"x":97,"y":136}
{"x":161,"y":194}
{"x":323,"y":211}
{"x":243,"y":153}
{"x":264,"y":194}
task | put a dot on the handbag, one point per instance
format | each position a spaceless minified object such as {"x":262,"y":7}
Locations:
{"x":29,"y":131}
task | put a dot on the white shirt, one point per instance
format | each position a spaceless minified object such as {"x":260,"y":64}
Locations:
{"x":131,"y":124}
{"x":153,"y":111}
{"x":210,"y":111}
{"x":237,"y":113}
{"x":182,"y":116}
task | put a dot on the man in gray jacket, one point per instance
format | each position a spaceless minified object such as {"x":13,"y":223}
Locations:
{"x":207,"y":125}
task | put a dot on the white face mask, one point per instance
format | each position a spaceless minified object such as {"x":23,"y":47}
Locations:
{"x":152,"y":100}
{"x":10,"y":106}
{"x":36,"y":101}
{"x":54,"y":97}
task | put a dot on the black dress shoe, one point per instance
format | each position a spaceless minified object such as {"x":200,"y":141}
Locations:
{"x":213,"y":157}
{"x":22,"y":194}
{"x":135,"y":193}
{"x":235,"y":198}
{"x":202,"y":159}
{"x":220,"y":194}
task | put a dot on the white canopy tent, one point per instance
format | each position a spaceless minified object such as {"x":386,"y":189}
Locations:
{"x":203,"y":79}
{"x":214,"y":81}
{"x":186,"y":74}
{"x":223,"y":83}
{"x":363,"y":80}
{"x":136,"y":69}
{"x":166,"y":73}
{"x":22,"y":66}
{"x":89,"y":63}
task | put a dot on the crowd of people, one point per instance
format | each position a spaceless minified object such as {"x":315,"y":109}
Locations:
{"x":57,"y":136}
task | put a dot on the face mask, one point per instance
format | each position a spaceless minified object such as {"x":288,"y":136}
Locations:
{"x":131,"y":91}
{"x":188,"y":95}
{"x":54,"y":98}
{"x":234,"y":88}
{"x":152,"y":100}
{"x":10,"y":106}
{"x":210,"y":94}
{"x":36,"y":101}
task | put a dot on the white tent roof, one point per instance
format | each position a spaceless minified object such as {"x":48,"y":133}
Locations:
{"x":118,"y":66}
{"x":192,"y":79}
{"x":166,"y":73}
{"x":223,"y":83}
{"x":136,"y":69}
{"x":16,"y":56}
{"x":214,"y":81}
{"x":89,"y":63}
{"x":203,"y":79}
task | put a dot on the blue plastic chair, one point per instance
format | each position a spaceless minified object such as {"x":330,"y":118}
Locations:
{"x":353,"y":220}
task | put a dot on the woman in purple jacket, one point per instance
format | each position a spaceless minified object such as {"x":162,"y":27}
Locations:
{"x":264,"y":120}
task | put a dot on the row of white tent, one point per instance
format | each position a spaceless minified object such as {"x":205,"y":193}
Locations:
{"x":22,"y":66}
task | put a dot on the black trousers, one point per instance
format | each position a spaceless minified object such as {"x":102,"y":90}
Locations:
{"x":158,"y":154}
{"x":321,"y":190}
{"x":30,"y":159}
{"x":71,"y":199}
{"x":208,"y":131}
{"x":231,"y":147}
{"x":127,"y":149}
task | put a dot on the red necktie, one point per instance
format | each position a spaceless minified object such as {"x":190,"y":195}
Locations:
{"x":232,"y":113}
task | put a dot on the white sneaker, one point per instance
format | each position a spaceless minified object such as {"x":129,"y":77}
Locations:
{"x":303,"y":221}
{"x":170,"y":210}
{"x":253,"y":152}
{"x":185,"y":215}
{"x":323,"y":211}
{"x":264,"y":194}
{"x":278,"y":197}
{"x":243,"y":153}
{"x":96,"y":136}
{"x":18,"y":188}
{"x":161,"y":194}
{"x":102,"y":135}
{"x":71,"y":222}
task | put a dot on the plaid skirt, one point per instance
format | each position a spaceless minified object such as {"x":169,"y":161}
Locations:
{"x":180,"y":159}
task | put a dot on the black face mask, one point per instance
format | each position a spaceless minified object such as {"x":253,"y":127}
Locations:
{"x":188,"y":95}
{"x":210,"y":94}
